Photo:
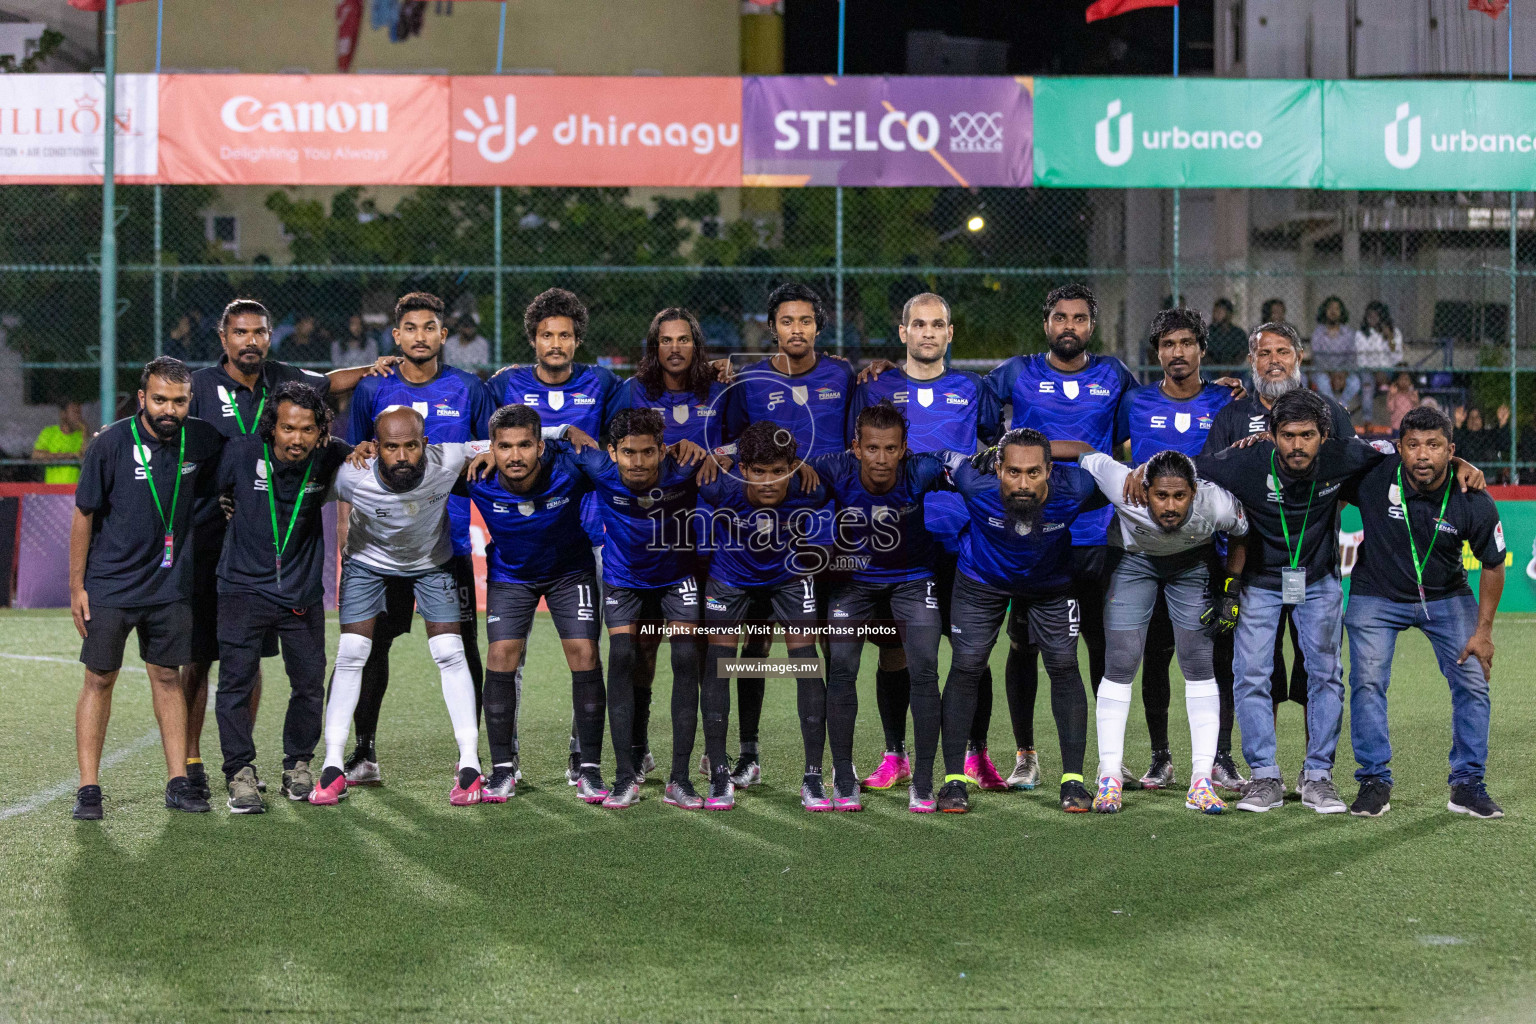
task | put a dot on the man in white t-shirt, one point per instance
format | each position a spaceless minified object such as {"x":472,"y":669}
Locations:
{"x":466,"y":349}
{"x":1164,"y":547}
{"x":399,"y":528}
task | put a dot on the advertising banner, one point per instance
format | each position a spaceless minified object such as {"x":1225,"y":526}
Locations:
{"x":537,"y":130}
{"x":304,"y":129}
{"x":886,"y":131}
{"x":1429,"y":135}
{"x":51,"y":128}
{"x":1177,"y":132}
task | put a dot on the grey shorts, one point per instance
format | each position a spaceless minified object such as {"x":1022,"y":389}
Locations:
{"x":1134,"y":580}
{"x":363,"y":593}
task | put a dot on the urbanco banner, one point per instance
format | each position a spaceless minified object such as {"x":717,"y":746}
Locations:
{"x":1429,"y":135}
{"x":897,"y":131}
{"x":1177,"y":132}
{"x":51,"y":128}
{"x":642,"y":131}
{"x":304,"y":129}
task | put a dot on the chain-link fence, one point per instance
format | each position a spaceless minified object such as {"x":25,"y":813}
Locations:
{"x":1445,"y":272}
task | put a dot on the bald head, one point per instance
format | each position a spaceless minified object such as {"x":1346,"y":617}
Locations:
{"x":401,"y":434}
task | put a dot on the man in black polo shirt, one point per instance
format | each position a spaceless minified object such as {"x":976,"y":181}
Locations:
{"x":1408,"y":572}
{"x":270,"y":581}
{"x":130,"y":568}
{"x":231,"y":395}
{"x":1274,"y":360}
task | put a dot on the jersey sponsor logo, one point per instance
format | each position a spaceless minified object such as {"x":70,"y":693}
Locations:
{"x":1070,"y":389}
{"x":899,"y":398}
{"x":1048,"y":387}
{"x":261,"y":475}
{"x":1205,"y":422}
{"x":775,"y":399}
{"x":1048,"y":527}
{"x":226,"y":401}
{"x":950,"y":398}
{"x":619,"y":499}
{"x":714,"y":604}
{"x":1258,"y":424}
{"x":1181,"y":422}
{"x":582,"y":398}
{"x":1099,"y":391}
{"x":531,"y":398}
{"x":1159,"y":423}
{"x":827,"y":394}
{"x":838,"y":613}
{"x":442,"y":408}
{"x":138,"y":470}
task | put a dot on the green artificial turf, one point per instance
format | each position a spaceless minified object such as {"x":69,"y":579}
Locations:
{"x":396,"y":906}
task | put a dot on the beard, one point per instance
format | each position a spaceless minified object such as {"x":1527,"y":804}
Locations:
{"x":165,"y":427}
{"x":403,"y":476}
{"x":1023,"y":508}
{"x":1067,"y":346}
{"x":1271,"y":388}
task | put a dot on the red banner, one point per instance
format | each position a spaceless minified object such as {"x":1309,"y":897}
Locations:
{"x":303,"y":129}
{"x":536,"y":130}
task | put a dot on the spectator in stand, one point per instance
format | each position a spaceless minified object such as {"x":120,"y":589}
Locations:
{"x":466,"y":349}
{"x":1401,"y":397}
{"x":62,"y":444}
{"x":1272,"y":312}
{"x":297,"y":341}
{"x":1333,"y":353}
{"x":357,"y":347}
{"x":190,"y":340}
{"x":1228,"y":343}
{"x":1378,"y":345}
{"x":1475,"y":442}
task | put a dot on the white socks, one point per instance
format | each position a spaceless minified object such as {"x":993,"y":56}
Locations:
{"x":1204,"y":709}
{"x":459,"y":694}
{"x":1114,"y":707}
{"x":351,"y":654}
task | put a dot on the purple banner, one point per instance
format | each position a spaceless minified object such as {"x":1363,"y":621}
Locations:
{"x":42,"y":555}
{"x":817,"y":130}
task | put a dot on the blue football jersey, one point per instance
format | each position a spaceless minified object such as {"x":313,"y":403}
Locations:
{"x":947,"y":413}
{"x":687,"y":418}
{"x":530,"y":534}
{"x":456,"y":407}
{"x":1154,"y":422}
{"x":754,"y":546}
{"x":587,"y":401}
{"x":882,"y":538}
{"x":812,"y":406}
{"x":646,"y":541}
{"x":1081,"y":406}
{"x":1008,"y":555}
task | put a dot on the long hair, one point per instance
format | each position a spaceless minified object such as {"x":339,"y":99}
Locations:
{"x":700,"y":374}
{"x":303,"y":396}
{"x":1383,"y":314}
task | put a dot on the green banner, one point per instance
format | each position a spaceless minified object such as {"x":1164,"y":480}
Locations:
{"x":1519,"y":521}
{"x":1429,"y":135}
{"x":1169,"y":132}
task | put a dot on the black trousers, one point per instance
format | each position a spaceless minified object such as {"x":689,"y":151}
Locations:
{"x":244,"y":622}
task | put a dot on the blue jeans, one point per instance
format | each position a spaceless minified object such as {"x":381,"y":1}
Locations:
{"x":1373,"y":624}
{"x":1319,"y":629}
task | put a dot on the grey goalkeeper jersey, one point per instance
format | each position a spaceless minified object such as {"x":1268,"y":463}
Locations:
{"x":1215,"y":511}
{"x":403,"y":533}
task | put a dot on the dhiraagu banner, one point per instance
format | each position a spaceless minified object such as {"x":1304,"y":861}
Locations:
{"x":1519,"y":521}
{"x":1172,"y":132}
{"x":1429,"y":135}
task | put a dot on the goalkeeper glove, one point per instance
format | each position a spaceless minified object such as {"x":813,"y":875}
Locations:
{"x":1221,"y":618}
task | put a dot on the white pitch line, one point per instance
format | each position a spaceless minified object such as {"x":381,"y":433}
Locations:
{"x":52,"y":793}
{"x":59,"y":661}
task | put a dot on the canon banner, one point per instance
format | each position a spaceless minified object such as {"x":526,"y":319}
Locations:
{"x":1171,"y":132}
{"x":1429,"y":135}
{"x":304,"y":129}
{"x":51,"y":128}
{"x":886,"y":131}
{"x":538,"y":130}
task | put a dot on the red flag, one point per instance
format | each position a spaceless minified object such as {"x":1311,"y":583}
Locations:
{"x":98,"y":5}
{"x":349,"y":19}
{"x":1101,"y":9}
{"x":1492,"y":8}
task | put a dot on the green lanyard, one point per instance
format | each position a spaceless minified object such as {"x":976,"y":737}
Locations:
{"x":1285,"y":527}
{"x":234,"y":406}
{"x":168,"y":523}
{"x":293,"y":517}
{"x":1413,"y":549}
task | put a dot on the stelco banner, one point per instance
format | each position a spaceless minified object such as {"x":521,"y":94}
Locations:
{"x":1429,"y":135}
{"x":51,"y":128}
{"x":1171,"y":132}
{"x":886,"y":131}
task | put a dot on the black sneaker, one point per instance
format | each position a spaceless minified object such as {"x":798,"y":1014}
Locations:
{"x":953,"y":798}
{"x":573,"y":769}
{"x":1075,"y":798}
{"x":1472,"y":798}
{"x":88,"y":803}
{"x":180,"y":796}
{"x":197,"y":778}
{"x":1374,"y":798}
{"x":1225,"y":774}
{"x":1160,"y":775}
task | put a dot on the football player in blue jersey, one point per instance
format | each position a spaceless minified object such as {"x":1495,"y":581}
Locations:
{"x":1017,"y":549}
{"x":945,"y":409}
{"x":582,"y":396}
{"x":1068,"y":394}
{"x":1176,"y":413}
{"x":455,"y":407}
{"x":885,"y":555}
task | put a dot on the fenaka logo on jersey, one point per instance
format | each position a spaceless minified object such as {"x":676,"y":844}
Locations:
{"x":827,"y":394}
{"x":1099,"y":390}
{"x":1114,"y":137}
{"x":950,"y":398}
{"x":1205,"y":422}
{"x":443,"y":408}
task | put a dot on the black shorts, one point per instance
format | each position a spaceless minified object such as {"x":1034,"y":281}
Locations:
{"x":1049,"y":622}
{"x":572,"y":601}
{"x":165,"y":635}
{"x":792,"y":604}
{"x":205,"y":610}
{"x":907,"y":603}
{"x":628,"y":606}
